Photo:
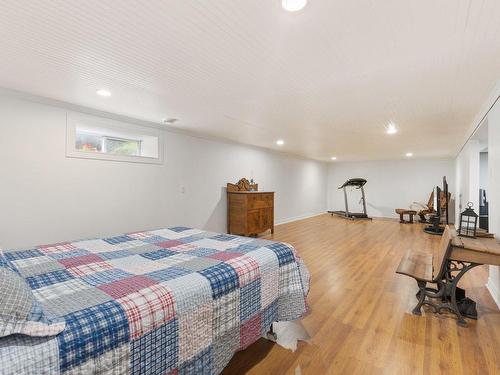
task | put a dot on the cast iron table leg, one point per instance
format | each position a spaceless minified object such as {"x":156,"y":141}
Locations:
{"x":451,"y":287}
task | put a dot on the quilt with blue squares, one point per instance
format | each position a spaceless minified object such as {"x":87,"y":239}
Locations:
{"x":167,"y":301}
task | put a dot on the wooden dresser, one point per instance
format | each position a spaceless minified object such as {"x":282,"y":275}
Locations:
{"x":250,"y":212}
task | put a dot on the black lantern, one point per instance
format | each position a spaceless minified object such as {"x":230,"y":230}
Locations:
{"x":468,"y":222}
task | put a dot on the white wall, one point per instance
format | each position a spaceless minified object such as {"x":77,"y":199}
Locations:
{"x":470,"y":176}
{"x":391,"y":184}
{"x":467,"y":166}
{"x":494,"y":191}
{"x":46,"y":197}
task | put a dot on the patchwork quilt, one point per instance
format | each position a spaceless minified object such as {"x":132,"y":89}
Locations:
{"x":167,"y":301}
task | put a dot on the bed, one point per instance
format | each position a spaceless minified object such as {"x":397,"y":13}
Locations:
{"x":168,"y":301}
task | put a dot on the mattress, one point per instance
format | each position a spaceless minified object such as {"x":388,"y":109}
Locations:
{"x":169,"y":301}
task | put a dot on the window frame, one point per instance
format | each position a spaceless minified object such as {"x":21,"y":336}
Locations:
{"x":75,"y":119}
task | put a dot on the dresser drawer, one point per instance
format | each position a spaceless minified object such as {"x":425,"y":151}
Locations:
{"x":264,"y":200}
{"x":250,"y":213}
{"x":259,"y":220}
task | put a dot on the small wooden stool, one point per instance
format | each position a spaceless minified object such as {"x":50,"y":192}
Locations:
{"x":403,"y":211}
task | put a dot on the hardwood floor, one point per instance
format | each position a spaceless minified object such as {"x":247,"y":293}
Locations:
{"x":360,"y":319}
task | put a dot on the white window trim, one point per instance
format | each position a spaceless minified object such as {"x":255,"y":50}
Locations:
{"x":73,"y":119}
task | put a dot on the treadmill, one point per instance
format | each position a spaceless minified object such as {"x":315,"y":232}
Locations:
{"x":359,"y":184}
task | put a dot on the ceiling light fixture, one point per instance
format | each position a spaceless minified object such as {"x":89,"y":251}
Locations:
{"x":293,"y":5}
{"x":169,"y":120}
{"x":103,"y":92}
{"x":333,"y":158}
{"x":391,"y":128}
{"x":409,"y":154}
{"x":280,"y":142}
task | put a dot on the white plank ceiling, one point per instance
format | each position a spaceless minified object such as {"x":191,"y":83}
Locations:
{"x":326,"y":79}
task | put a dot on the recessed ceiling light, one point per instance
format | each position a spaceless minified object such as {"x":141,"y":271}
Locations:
{"x":391,"y":128}
{"x":333,"y":158}
{"x":409,"y":154}
{"x":280,"y":142}
{"x":103,"y":92}
{"x":293,"y":5}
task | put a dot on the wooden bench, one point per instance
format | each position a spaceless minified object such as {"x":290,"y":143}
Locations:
{"x":402,"y":211}
{"x":428,"y":268}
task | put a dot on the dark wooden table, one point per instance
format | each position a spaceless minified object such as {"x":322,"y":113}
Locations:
{"x":467,"y":253}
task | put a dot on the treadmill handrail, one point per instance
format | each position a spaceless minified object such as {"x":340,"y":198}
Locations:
{"x":357,"y":182}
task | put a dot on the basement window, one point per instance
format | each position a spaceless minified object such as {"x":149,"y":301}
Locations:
{"x":91,"y":137}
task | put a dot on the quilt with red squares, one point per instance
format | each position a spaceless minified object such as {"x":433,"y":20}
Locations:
{"x":168,"y":301}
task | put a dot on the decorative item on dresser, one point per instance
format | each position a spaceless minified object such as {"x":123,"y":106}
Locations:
{"x":249,"y":211}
